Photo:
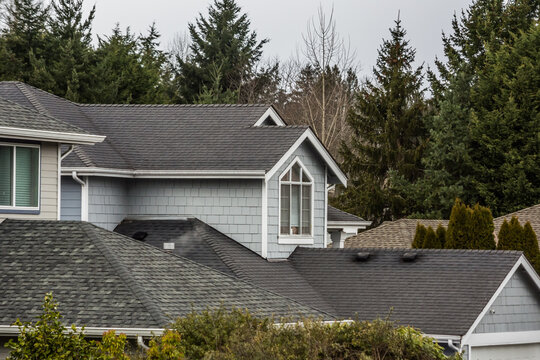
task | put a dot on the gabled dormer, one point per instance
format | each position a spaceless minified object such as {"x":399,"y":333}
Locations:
{"x":30,"y":157}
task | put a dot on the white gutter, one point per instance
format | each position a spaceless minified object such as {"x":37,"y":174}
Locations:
{"x":157,"y":174}
{"x":95,"y":331}
{"x":53,"y":136}
{"x":338,"y":224}
{"x":84,"y":195}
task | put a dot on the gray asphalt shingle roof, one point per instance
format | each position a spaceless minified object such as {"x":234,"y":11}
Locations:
{"x":104,"y":279}
{"x":165,"y":137}
{"x":334,"y":214}
{"x":440,"y":292}
{"x":13,"y":115}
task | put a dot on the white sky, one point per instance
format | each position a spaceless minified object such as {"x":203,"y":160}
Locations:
{"x":363,"y":22}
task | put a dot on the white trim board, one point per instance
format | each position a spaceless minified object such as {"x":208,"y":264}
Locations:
{"x":309,"y":135}
{"x":504,"y":338}
{"x":271,"y":112}
{"x":94,"y":331}
{"x":166,"y":174}
{"x":53,"y":136}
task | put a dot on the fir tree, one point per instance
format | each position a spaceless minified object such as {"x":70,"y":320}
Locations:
{"x":431,"y":241}
{"x":482,"y":229}
{"x":441,"y":236}
{"x":458,"y":235}
{"x":419,"y":236}
{"x":223,"y":41}
{"x":511,"y":235}
{"x":530,"y":242}
{"x":388,"y":136}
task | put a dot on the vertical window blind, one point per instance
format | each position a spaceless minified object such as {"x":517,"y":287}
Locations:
{"x":19,"y":166}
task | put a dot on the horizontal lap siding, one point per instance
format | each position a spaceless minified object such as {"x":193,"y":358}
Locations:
{"x":48,"y":186}
{"x":517,"y":308}
{"x":232,"y":206}
{"x":71,"y":199}
{"x":315,"y":166}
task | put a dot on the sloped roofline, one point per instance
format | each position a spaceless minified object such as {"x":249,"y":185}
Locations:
{"x":273,"y":114}
{"x":46,"y":135}
{"x":521,"y":262}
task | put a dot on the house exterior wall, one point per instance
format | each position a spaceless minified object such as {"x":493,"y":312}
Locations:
{"x":48,"y":186}
{"x":314,"y":165}
{"x":71,"y":199}
{"x":107,"y":201}
{"x":517,"y":308}
{"x":232,"y":206}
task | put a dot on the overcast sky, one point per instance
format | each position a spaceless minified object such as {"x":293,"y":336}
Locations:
{"x":363,"y":22}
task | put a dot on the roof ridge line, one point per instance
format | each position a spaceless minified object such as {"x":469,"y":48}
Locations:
{"x":174,"y":105}
{"x":32,"y":99}
{"x":125,"y":275}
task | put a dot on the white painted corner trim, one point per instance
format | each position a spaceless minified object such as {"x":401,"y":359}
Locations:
{"x":272,"y":113}
{"x":521,"y":262}
{"x":309,"y":135}
{"x":264,"y":220}
{"x":46,"y":135}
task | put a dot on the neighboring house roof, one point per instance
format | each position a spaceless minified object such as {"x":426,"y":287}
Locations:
{"x":104,"y":279}
{"x":200,"y":242}
{"x":530,"y":214}
{"x":181,"y":138}
{"x":440,"y":292}
{"x":400,"y":233}
{"x":391,"y":234}
{"x":337,"y":215}
{"x":20,"y":122}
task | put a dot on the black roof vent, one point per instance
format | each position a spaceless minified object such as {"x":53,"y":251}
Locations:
{"x":409,"y":256}
{"x":140,"y":235}
{"x":362,"y":256}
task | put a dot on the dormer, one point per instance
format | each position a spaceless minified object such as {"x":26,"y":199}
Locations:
{"x":30,"y":156}
{"x":270,"y":118}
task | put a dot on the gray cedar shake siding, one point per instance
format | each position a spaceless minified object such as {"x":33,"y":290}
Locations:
{"x":314,"y":165}
{"x":108,"y":201}
{"x":516,"y":308}
{"x":71,"y":200}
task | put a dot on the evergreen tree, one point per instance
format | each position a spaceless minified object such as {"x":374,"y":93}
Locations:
{"x":419,"y":236}
{"x":458,"y":235}
{"x":388,"y":132}
{"x":23,"y":46}
{"x":511,"y":235}
{"x":482,"y":229}
{"x":441,"y":235}
{"x":222,"y":41}
{"x":530,"y":242}
{"x":431,"y":241}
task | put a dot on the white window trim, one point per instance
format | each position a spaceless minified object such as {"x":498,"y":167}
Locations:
{"x":14,"y":184}
{"x":289,"y":239}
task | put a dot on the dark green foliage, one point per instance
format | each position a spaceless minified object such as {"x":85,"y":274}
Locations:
{"x":482,"y":229}
{"x":419,"y":236}
{"x":458,"y":235}
{"x":503,"y":237}
{"x":511,"y":238}
{"x":431,"y":241}
{"x":48,"y":338}
{"x":224,"y":54}
{"x":441,"y":235}
{"x":530,"y":242}
{"x":387,"y":120}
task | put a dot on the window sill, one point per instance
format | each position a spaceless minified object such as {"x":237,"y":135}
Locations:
{"x":295,"y":240}
{"x":19,"y":211}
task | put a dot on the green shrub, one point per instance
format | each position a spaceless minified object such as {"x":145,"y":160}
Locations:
{"x":48,"y":339}
{"x":513,"y":236}
{"x":168,"y":346}
{"x":419,"y":236}
{"x":481,"y":228}
{"x":441,"y":235}
{"x":431,"y":241}
{"x":458,"y":232}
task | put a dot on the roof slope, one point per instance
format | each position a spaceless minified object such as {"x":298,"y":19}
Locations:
{"x":391,"y":234}
{"x":104,"y":279}
{"x":199,"y":242}
{"x":13,"y":115}
{"x":441,"y":292}
{"x":165,"y":137}
{"x":334,"y":214}
{"x":530,"y":214}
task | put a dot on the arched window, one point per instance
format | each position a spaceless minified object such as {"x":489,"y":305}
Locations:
{"x":296,"y":201}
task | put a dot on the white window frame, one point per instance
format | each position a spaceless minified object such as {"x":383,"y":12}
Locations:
{"x":299,"y":239}
{"x":14,"y":207}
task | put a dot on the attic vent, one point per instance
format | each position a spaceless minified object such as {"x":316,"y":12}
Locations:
{"x":140,"y":235}
{"x":409,"y":256}
{"x":362,"y":256}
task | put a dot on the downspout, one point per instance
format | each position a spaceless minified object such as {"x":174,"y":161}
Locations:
{"x":60,"y":157}
{"x":140,"y":342}
{"x":452,"y":346}
{"x":84,"y":195}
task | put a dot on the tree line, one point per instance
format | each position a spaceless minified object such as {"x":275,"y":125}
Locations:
{"x":411,"y":139}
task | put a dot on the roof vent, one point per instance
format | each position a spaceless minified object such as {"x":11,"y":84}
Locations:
{"x":362,"y":256}
{"x":140,"y":235}
{"x":409,"y":256}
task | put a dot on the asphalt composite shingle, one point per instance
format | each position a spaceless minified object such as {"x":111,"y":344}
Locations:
{"x":334,"y":214}
{"x":104,"y":279}
{"x":165,"y":137}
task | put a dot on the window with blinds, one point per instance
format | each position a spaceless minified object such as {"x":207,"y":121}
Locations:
{"x":19,"y":176}
{"x":295,"y":201}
